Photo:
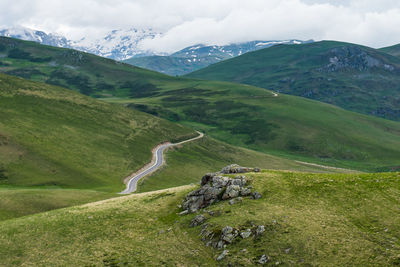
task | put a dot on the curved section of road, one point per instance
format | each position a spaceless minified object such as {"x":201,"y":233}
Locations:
{"x":159,"y":161}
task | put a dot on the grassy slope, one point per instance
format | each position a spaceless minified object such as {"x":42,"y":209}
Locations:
{"x":302,"y":70}
{"x":325,"y":219}
{"x":238,"y":114}
{"x":52,"y":136}
{"x":52,"y":139}
{"x":207,"y":155}
{"x":285,"y":125}
{"x":393,"y":50}
{"x":18,"y":202}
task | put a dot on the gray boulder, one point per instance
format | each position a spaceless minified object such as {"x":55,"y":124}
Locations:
{"x":256,"y":195}
{"x":231,"y":191}
{"x":228,"y":234}
{"x":246,"y":233}
{"x":260,"y":229}
{"x":234,"y":168}
{"x":199,"y":219}
{"x":216,"y":187}
{"x":222,"y":255}
{"x":263,"y":259}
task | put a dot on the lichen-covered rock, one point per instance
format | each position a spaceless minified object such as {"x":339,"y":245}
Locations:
{"x":246,"y":233}
{"x":231,"y":191}
{"x":234,"y":168}
{"x":256,"y":195}
{"x":263,"y":259}
{"x":228,"y":234}
{"x":199,"y":219}
{"x":260,"y":229}
{"x":216,"y":187}
{"x":222,"y":255}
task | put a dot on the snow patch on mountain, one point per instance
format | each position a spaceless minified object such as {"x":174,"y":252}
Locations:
{"x":119,"y":44}
{"x":36,"y":36}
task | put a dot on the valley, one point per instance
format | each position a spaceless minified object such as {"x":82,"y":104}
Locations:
{"x":106,"y":164}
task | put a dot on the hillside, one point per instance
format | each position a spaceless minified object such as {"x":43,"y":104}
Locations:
{"x":354,"y":77}
{"x":53,"y":136}
{"x":313,"y":220}
{"x":392,"y":50}
{"x":241,"y":115}
{"x":285,"y":125}
{"x":59,"y":148}
{"x":199,"y":56}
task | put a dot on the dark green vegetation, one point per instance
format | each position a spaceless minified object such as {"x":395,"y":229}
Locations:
{"x":354,"y":77}
{"x":309,"y":219}
{"x":284,"y":125}
{"x":393,"y":50}
{"x":238,"y":114}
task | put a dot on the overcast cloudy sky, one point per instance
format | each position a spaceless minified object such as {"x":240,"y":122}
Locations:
{"x":185,"y":22}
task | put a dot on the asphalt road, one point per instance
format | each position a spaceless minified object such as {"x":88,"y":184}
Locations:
{"x":159,"y":161}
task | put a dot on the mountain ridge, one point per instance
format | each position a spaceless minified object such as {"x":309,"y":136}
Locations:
{"x":351,"y":76}
{"x":199,"y":56}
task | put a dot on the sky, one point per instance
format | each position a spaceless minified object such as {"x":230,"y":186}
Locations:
{"x":374,"y":23}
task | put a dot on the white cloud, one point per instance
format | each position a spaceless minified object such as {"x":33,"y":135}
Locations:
{"x":186,"y":22}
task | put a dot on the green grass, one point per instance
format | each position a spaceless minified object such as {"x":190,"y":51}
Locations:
{"x":51,"y":136}
{"x":302,"y":70}
{"x":286,"y":126}
{"x":185,"y":163}
{"x":325,"y":220}
{"x":241,"y":115}
{"x":17,"y":202}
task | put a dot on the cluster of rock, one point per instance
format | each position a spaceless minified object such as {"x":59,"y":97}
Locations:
{"x":220,"y":238}
{"x":216,"y":187}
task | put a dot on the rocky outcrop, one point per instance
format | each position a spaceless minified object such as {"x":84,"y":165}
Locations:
{"x":220,"y":238}
{"x":216,"y":187}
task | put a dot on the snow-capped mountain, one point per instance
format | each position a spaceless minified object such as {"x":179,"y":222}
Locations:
{"x":118,"y":44}
{"x":197,"y":52}
{"x":36,"y":36}
{"x":199,"y":56}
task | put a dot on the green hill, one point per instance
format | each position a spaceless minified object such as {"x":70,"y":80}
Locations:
{"x":393,"y":50}
{"x":310,"y":220}
{"x":59,"y":148}
{"x":285,"y":125}
{"x":354,"y":77}
{"x":241,"y":115}
{"x":51,"y":136}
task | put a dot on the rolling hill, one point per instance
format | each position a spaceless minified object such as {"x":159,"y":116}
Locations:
{"x":308,"y":219}
{"x":241,"y":115}
{"x":351,"y":76}
{"x":59,"y":148}
{"x":199,"y":56}
{"x":393,"y":50}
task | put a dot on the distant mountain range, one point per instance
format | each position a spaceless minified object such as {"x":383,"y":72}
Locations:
{"x":37,"y":36}
{"x":199,"y":56}
{"x":125,"y":45}
{"x":117,"y":44}
{"x":351,"y":76}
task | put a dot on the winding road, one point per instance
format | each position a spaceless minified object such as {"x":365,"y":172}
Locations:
{"x":158,"y":162}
